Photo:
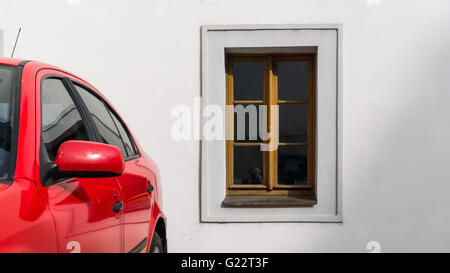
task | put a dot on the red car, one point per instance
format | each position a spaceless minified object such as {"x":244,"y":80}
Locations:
{"x":72,"y":176}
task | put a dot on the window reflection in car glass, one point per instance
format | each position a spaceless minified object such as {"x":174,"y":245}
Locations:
{"x":126,"y":139}
{"x":7,"y":77}
{"x":107,"y":129}
{"x":61,"y":120}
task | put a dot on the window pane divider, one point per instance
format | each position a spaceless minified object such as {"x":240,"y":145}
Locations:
{"x":271,"y":98}
{"x":243,"y":187}
{"x":244,"y":144}
{"x":293,"y":186}
{"x":229,"y":125}
{"x":292,"y":101}
{"x":293,"y":144}
{"x":248,"y":101}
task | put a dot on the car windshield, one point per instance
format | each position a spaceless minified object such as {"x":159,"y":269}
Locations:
{"x":7,"y":76}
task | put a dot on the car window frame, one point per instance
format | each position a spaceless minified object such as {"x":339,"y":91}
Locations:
{"x":111,"y":111}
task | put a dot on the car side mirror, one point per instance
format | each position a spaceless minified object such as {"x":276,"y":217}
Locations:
{"x":84,"y":159}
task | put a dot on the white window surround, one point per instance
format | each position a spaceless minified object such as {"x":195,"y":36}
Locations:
{"x":327,"y":40}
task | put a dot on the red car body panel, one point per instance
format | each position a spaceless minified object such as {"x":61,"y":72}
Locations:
{"x":74,"y":215}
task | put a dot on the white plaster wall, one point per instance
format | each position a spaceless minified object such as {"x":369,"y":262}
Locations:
{"x":1,"y":43}
{"x":145,"y":57}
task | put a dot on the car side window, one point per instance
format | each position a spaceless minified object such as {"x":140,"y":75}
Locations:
{"x":129,"y":144}
{"x":107,"y":129}
{"x":61,"y":120}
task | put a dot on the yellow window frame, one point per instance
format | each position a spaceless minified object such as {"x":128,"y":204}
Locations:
{"x":270,"y":187}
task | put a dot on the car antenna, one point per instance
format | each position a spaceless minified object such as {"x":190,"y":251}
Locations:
{"x":15,"y":44}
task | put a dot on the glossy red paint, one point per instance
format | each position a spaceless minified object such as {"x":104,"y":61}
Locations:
{"x":79,"y":156}
{"x":74,"y":215}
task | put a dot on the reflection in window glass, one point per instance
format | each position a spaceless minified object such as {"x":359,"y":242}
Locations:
{"x":246,"y":123}
{"x":248,"y":80}
{"x":102,"y":119}
{"x":292,"y":165}
{"x":292,"y":80}
{"x":61,"y":120}
{"x":293,"y":122}
{"x":248,"y":165}
{"x":129,"y":147}
{"x":7,"y":78}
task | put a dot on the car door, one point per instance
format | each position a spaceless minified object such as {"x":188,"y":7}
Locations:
{"x":81,"y":207}
{"x":137,"y":180}
{"x":137,"y":183}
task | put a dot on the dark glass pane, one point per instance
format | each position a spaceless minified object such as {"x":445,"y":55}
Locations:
{"x":102,"y":119}
{"x":61,"y":120}
{"x":129,"y":147}
{"x":292,"y":80}
{"x":248,"y":80}
{"x":246,"y":123}
{"x":248,"y":165}
{"x":293,"y":122}
{"x":292,"y":165}
{"x":7,"y":79}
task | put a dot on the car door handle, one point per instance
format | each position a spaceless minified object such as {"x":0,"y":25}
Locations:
{"x":150,"y":189}
{"x":117,"y":207}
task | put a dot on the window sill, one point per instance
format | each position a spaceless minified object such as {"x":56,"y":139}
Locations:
{"x":268,"y":201}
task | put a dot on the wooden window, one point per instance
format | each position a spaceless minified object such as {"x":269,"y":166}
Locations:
{"x":285,"y":176}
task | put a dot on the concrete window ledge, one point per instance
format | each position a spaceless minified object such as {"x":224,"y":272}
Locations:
{"x":267,"y":201}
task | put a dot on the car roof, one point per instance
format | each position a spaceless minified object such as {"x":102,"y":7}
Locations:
{"x":10,"y":61}
{"x":36,"y":65}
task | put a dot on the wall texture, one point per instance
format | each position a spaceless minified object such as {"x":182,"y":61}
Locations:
{"x":145,"y":57}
